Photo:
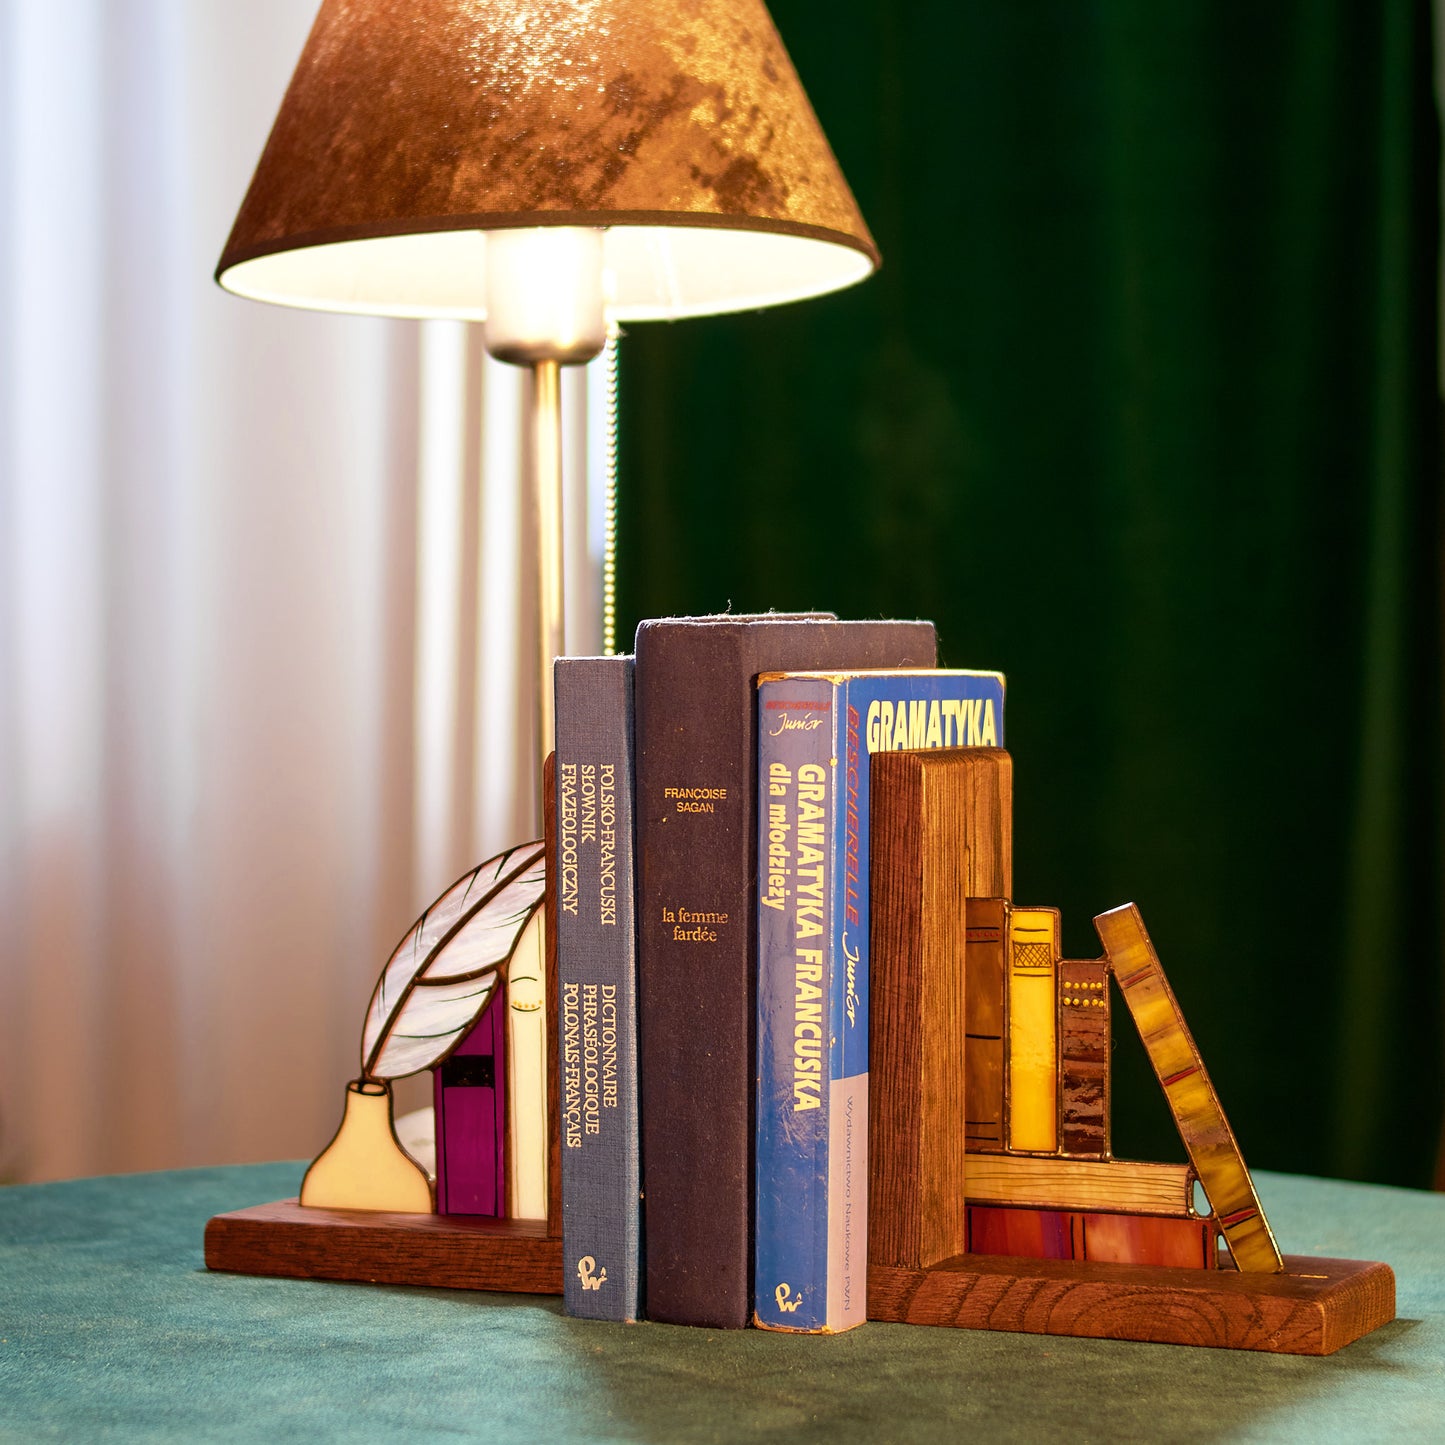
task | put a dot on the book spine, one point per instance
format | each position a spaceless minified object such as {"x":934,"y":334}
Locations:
{"x":806,"y":1101}
{"x":528,"y":1133}
{"x":597,"y":982}
{"x":1084,"y":1057}
{"x":851,"y":891}
{"x":694,"y":737}
{"x":1033,"y":1061}
{"x":985,"y":1012}
{"x":469,"y":1099}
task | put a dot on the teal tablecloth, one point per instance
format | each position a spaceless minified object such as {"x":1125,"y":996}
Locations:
{"x":111,"y":1329}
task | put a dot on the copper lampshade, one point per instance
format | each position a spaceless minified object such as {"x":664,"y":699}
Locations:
{"x":412,"y":127}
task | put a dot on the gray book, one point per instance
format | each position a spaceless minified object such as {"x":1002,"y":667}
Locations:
{"x":597,"y":986}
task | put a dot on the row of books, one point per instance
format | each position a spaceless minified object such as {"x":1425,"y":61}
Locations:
{"x":712,"y":927}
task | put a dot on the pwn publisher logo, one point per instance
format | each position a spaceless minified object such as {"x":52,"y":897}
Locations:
{"x":786,"y":1299}
{"x":588,"y":1274}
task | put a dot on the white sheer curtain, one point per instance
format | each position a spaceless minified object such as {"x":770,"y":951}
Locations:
{"x":263,"y":678}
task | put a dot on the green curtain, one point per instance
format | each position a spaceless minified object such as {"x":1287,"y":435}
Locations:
{"x":1142,"y":410}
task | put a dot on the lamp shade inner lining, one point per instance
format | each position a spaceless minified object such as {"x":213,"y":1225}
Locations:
{"x":650,"y":272}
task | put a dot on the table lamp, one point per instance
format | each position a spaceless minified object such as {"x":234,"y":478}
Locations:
{"x":548,"y":168}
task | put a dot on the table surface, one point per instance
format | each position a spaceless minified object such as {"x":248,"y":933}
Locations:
{"x":112,"y":1329}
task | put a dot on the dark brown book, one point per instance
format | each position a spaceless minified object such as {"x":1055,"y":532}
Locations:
{"x":696,"y":931}
{"x":940,"y":835}
{"x":985,"y":1015}
{"x":1084,"y":1057}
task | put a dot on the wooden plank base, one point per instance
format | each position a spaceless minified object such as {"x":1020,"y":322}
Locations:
{"x":1314,"y":1308}
{"x":445,"y":1251}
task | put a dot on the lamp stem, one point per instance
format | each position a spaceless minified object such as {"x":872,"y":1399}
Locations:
{"x":609,"y":513}
{"x":547,"y":515}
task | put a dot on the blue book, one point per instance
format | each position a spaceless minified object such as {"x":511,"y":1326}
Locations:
{"x":597,"y":989}
{"x":815,"y":734}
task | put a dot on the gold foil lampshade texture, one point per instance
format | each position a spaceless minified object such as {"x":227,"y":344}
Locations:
{"x":413,"y":127}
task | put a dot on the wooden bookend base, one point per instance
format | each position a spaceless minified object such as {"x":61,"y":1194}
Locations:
{"x":1315,"y":1307}
{"x":442,"y":1251}
{"x":445,"y":1251}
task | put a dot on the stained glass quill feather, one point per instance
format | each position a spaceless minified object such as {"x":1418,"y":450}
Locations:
{"x":441,"y":975}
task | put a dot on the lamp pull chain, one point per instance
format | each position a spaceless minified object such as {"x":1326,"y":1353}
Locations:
{"x":609,"y":505}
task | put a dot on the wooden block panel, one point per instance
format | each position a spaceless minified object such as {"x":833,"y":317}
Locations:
{"x":1145,"y":1239}
{"x":1088,"y":1184}
{"x":1104,"y":1238}
{"x":1207,"y":1137}
{"x":983,"y":779}
{"x":939,"y":831}
{"x":439,"y":1251}
{"x":1315,"y":1307}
